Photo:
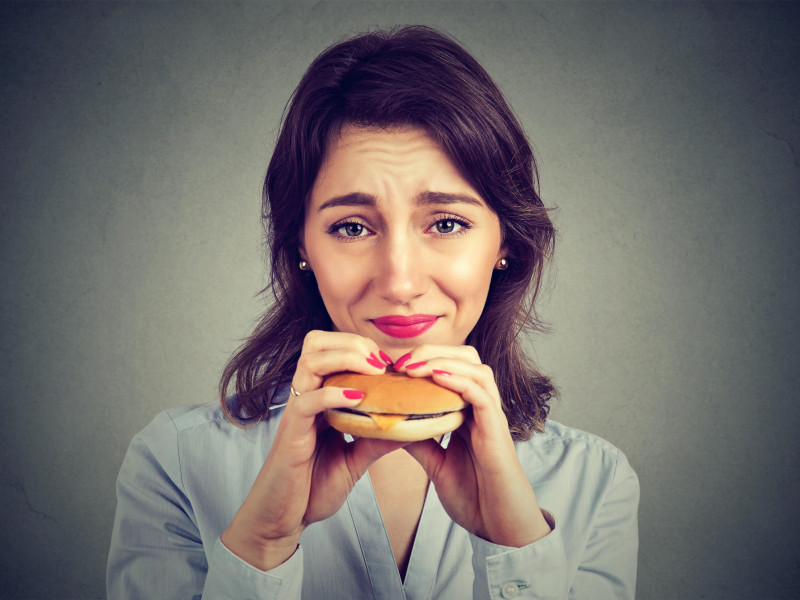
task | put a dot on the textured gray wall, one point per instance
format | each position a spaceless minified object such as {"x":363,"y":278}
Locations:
{"x":134,"y":137}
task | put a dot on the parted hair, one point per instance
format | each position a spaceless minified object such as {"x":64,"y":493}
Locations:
{"x":419,"y":77}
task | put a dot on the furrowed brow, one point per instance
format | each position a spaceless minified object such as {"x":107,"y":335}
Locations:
{"x":354,"y":199}
{"x":423,"y":199}
{"x":444,"y":198}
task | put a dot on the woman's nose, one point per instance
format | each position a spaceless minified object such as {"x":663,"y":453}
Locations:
{"x":401,"y":274}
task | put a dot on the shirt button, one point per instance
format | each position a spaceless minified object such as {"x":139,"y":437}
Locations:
{"x":509,"y":590}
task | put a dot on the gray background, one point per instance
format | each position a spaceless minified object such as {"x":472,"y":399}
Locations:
{"x":134,"y":138}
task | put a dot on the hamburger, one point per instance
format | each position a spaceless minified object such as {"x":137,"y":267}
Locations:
{"x":396,"y":407}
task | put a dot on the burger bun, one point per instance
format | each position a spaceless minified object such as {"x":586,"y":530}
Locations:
{"x":396,"y":407}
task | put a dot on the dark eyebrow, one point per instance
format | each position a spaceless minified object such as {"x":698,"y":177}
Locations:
{"x":354,"y":199}
{"x":445,"y":198}
{"x":425,"y":198}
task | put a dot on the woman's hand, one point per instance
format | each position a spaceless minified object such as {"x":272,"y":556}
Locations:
{"x":478,"y":477}
{"x":310,"y":469}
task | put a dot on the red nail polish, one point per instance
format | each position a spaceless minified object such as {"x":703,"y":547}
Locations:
{"x":402,"y":360}
{"x":353,"y":394}
{"x":375,"y":361}
{"x":416,"y":365}
{"x":440,"y":372}
{"x":386,"y":358}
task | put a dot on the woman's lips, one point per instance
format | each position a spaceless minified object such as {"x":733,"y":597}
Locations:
{"x":404,"y":327}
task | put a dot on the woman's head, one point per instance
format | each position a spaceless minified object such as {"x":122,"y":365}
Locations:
{"x":401,"y":246}
{"x":412,"y":78}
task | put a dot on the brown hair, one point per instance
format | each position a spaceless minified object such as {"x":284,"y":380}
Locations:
{"x":413,"y":76}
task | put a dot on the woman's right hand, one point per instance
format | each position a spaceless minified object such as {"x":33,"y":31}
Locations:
{"x":310,"y":468}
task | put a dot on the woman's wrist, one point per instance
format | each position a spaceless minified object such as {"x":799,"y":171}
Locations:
{"x":539,"y":529}
{"x":520,"y":533}
{"x":263,"y":554}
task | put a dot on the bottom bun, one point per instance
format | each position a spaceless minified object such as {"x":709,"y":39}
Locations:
{"x":414,"y":430}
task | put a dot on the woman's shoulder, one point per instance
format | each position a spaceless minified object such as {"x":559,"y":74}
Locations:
{"x":160,"y":438}
{"x":177,"y":420}
{"x":210,"y":415}
{"x":558,"y":433}
{"x":200,"y":429}
{"x":194,"y":442}
{"x":560,"y":448}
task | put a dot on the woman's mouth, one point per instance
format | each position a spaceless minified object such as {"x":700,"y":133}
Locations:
{"x":405,"y":327}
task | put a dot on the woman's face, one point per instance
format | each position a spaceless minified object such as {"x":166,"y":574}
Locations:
{"x":401,"y":246}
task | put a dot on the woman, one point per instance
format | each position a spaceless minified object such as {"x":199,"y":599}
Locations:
{"x":405,"y":230}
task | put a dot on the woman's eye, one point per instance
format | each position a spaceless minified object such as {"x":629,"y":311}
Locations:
{"x":448,"y":226}
{"x":352,"y":229}
{"x":349,"y":230}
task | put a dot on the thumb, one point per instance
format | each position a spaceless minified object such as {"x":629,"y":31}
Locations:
{"x":365,"y":451}
{"x":429,"y":454}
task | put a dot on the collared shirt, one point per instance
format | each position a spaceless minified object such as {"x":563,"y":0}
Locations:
{"x":188,"y":472}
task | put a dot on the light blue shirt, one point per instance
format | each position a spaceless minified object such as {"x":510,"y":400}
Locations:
{"x":188,"y":472}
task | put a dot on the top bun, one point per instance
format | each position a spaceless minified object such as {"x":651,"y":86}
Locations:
{"x":397,"y":393}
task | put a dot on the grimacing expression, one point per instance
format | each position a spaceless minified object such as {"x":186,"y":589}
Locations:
{"x":401,"y":245}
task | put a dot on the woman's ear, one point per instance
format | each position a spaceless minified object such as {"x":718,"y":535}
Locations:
{"x":502,"y":253}
{"x":501,"y":262}
{"x":303,"y":264}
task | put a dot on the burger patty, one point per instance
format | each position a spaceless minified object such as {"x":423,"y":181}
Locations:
{"x":408,"y":417}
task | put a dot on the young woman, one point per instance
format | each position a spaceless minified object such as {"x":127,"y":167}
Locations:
{"x":405,"y":229}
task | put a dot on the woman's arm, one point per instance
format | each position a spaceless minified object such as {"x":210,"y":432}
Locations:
{"x":310,"y":469}
{"x":483,"y":487}
{"x":538,"y":570}
{"x":607,"y":562}
{"x":156,"y":548}
{"x":479,"y":478}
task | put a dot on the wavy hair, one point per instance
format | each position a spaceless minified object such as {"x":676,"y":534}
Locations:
{"x":412,"y":76}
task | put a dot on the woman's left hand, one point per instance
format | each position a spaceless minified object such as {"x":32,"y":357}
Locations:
{"x":478,"y":477}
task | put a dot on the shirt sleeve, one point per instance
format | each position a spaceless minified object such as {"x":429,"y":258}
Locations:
{"x":538,"y":570}
{"x":156,"y":547}
{"x":607,"y":568}
{"x":231,"y":578}
{"x":607,"y":564}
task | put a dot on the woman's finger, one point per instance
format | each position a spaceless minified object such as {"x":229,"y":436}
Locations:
{"x":429,"y":454}
{"x":365,"y":451}
{"x":322,"y":341}
{"x":310,"y":404}
{"x":313,"y":367}
{"x":486,"y":428}
{"x":475,"y":382}
{"x":421,"y":354}
{"x":300,"y":417}
{"x":487,"y":413}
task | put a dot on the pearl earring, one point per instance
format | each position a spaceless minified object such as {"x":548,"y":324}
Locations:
{"x":304,"y":266}
{"x":501,"y":265}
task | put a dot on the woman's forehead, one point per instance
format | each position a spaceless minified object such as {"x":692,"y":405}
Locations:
{"x":362,"y":159}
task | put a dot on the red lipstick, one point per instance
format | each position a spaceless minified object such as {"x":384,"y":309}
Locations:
{"x":404,"y":327}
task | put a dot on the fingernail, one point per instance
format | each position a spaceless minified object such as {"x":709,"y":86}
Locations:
{"x":353,"y":394}
{"x":416,"y":365}
{"x":440,"y":372}
{"x":375,"y":361}
{"x":402,"y":360}
{"x":386,"y":358}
